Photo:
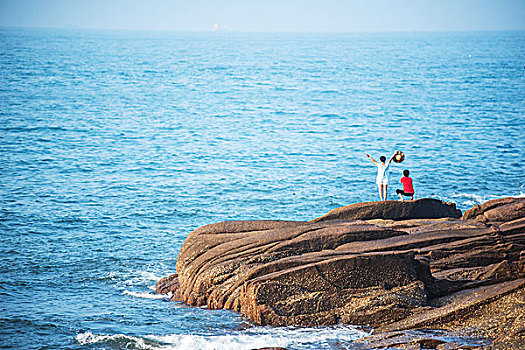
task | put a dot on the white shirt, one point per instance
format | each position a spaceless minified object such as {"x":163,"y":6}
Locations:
{"x":382,"y":174}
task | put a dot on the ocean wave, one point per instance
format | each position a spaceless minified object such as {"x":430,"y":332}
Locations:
{"x":467,"y":200}
{"x":470,"y":199}
{"x":147,"y":295}
{"x":260,"y":337}
{"x":474,"y":198}
{"x":120,"y":341}
{"x":253,"y":338}
{"x":142,"y":278}
{"x":469,"y":203}
{"x":149,"y":275}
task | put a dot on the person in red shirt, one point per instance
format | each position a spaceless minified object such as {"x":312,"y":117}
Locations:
{"x":408,"y":188}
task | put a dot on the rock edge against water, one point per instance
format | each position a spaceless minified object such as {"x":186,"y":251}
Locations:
{"x":394,"y":266}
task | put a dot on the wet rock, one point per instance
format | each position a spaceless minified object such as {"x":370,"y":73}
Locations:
{"x":168,"y":285}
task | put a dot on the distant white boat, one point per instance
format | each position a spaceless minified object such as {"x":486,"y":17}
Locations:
{"x":219,"y":27}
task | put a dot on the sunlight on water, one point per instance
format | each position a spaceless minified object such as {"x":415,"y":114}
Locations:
{"x":115,"y":145}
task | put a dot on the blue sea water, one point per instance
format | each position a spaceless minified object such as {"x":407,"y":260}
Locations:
{"x":115,"y":145}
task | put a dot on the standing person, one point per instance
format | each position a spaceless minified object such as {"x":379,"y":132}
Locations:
{"x":383,"y":170}
{"x":408,"y":188}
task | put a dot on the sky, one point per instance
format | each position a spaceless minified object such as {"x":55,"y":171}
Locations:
{"x":268,"y":15}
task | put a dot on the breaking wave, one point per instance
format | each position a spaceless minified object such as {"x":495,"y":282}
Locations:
{"x":147,"y":295}
{"x":253,"y":338}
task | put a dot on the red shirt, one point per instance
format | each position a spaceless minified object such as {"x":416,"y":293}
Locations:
{"x":407,"y":184}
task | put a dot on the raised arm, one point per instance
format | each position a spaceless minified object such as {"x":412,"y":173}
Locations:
{"x":372,"y":159}
{"x":393,"y":155}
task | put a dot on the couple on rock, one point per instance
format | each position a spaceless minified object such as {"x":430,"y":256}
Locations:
{"x":383,"y":171}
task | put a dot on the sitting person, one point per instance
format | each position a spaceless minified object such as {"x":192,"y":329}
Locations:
{"x":408,"y":188}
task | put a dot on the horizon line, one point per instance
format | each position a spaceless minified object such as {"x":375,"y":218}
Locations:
{"x":72,"y":27}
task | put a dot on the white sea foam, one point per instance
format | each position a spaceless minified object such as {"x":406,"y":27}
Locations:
{"x":149,"y":275}
{"x":467,"y":200}
{"x":122,"y":340}
{"x":254,"y":338}
{"x":142,"y":278}
{"x":259,"y":337}
{"x":147,"y":295}
{"x":223,"y":342}
{"x":474,"y":198}
{"x":469,"y":203}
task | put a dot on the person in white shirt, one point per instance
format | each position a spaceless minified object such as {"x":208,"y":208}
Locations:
{"x":383,"y":170}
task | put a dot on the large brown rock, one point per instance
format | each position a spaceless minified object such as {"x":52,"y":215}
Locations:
{"x":497,"y":210}
{"x":425,"y":208}
{"x":389,"y":265}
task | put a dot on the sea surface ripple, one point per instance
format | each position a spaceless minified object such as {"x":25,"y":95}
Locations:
{"x":115,"y":145}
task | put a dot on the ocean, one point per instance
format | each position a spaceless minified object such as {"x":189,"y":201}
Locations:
{"x":114,"y":145}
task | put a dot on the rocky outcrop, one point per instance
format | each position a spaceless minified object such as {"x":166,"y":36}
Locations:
{"x":425,"y":208}
{"x":389,"y":265}
{"x":497,"y":210}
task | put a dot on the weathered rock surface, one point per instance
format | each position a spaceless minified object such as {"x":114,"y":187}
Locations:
{"x":502,"y":210}
{"x":389,"y":265}
{"x":425,"y":208}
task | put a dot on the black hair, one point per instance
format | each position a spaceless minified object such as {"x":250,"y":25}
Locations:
{"x":406,"y":173}
{"x":382,"y":158}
